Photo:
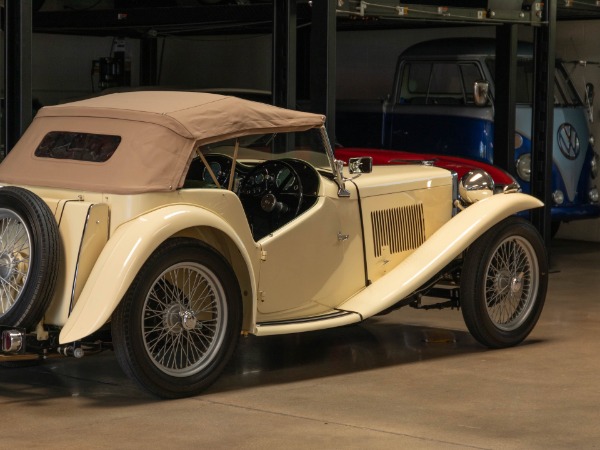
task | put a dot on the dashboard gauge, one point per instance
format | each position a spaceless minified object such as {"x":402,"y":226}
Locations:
{"x":259,"y":178}
{"x":216,"y":168}
{"x":284,"y":179}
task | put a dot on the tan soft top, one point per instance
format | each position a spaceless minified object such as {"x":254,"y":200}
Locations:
{"x":159,"y":131}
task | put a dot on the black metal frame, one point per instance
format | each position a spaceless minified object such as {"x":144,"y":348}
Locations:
{"x":283,"y":83}
{"x":505,"y":97}
{"x":149,"y":60}
{"x":323,"y":62}
{"x":543,"y":117}
{"x":17,"y":70}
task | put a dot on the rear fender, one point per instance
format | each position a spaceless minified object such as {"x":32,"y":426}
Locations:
{"x":124,"y":254}
{"x":437,"y":252}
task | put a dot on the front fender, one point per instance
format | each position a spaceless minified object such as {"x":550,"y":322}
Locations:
{"x":437,"y":252}
{"x":124,"y":254}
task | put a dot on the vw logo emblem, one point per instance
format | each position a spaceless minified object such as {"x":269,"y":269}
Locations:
{"x":568,"y":141}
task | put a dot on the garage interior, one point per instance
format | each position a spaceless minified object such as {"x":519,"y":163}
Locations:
{"x":409,"y":379}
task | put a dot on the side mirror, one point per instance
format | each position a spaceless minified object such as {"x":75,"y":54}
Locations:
{"x":481,"y":91}
{"x":360,"y":165}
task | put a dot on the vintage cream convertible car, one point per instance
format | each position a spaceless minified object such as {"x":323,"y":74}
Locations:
{"x":174,"y":222}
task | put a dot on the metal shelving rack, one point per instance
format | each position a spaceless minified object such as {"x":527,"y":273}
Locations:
{"x":288,"y":22}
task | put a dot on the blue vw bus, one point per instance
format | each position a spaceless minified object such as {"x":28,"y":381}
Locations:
{"x":432,"y":109}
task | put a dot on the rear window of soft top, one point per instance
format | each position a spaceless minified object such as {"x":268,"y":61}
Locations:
{"x":78,"y":146}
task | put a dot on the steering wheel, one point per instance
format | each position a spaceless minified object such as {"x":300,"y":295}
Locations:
{"x":271,"y":195}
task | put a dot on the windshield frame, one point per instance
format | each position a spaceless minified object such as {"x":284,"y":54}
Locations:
{"x":272,"y":146}
{"x":333,"y":168}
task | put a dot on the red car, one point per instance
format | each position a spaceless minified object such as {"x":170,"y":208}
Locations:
{"x":461,"y":166}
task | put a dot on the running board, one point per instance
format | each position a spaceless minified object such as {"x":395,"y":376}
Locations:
{"x":336,"y":319}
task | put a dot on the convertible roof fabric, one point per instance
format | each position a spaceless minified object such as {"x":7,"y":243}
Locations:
{"x":159,"y":131}
{"x":193,"y":115}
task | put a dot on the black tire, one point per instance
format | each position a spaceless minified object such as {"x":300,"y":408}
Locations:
{"x":29,"y":257}
{"x":503,"y":283}
{"x":161,"y":338}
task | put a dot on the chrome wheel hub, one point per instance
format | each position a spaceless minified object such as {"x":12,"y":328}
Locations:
{"x":178,"y":319}
{"x":516,"y":284}
{"x":6,"y":266}
{"x":503,"y":281}
{"x":508,"y":283}
{"x":188,"y":320}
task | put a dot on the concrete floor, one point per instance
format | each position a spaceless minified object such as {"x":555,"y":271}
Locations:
{"x":412,"y":379}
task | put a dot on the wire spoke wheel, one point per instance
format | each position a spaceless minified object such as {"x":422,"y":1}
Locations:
{"x":179,"y":323}
{"x":511,"y":283}
{"x":184,"y":319}
{"x":503,"y":283}
{"x":15,"y":252}
{"x":29,"y":257}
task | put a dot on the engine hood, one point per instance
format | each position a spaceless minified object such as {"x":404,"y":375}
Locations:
{"x":401,"y":178}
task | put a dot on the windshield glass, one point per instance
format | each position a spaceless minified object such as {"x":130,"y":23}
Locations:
{"x":438,"y":83}
{"x":307,"y":145}
{"x":564,"y":91}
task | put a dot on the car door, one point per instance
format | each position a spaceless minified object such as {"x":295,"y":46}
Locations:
{"x":313,"y":263}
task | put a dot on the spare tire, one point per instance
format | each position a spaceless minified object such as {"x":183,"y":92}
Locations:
{"x":29,"y":257}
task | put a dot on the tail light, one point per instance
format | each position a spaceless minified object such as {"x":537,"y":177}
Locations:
{"x":12,"y":341}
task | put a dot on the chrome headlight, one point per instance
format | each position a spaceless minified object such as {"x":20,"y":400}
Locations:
{"x":594,"y":165}
{"x":524,"y":167}
{"x":476,"y":185}
{"x":593,"y":195}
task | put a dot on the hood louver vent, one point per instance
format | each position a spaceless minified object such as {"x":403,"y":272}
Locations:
{"x":400,"y":229}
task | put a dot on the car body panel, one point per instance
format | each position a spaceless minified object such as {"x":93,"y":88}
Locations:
{"x":416,"y":217}
{"x":127,"y":250}
{"x":570,"y":164}
{"x":291,"y":256}
{"x":438,"y":251}
{"x":84,"y":232}
{"x":390,"y":180}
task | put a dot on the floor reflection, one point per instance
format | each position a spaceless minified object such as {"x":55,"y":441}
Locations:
{"x":296,"y":357}
{"x":258,"y":361}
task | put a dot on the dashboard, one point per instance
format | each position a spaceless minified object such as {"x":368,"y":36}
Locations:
{"x":272,"y":193}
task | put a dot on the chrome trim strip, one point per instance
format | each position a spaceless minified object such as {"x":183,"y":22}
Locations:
{"x":305,"y":319}
{"x":85,"y":225}
{"x":336,"y":166}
